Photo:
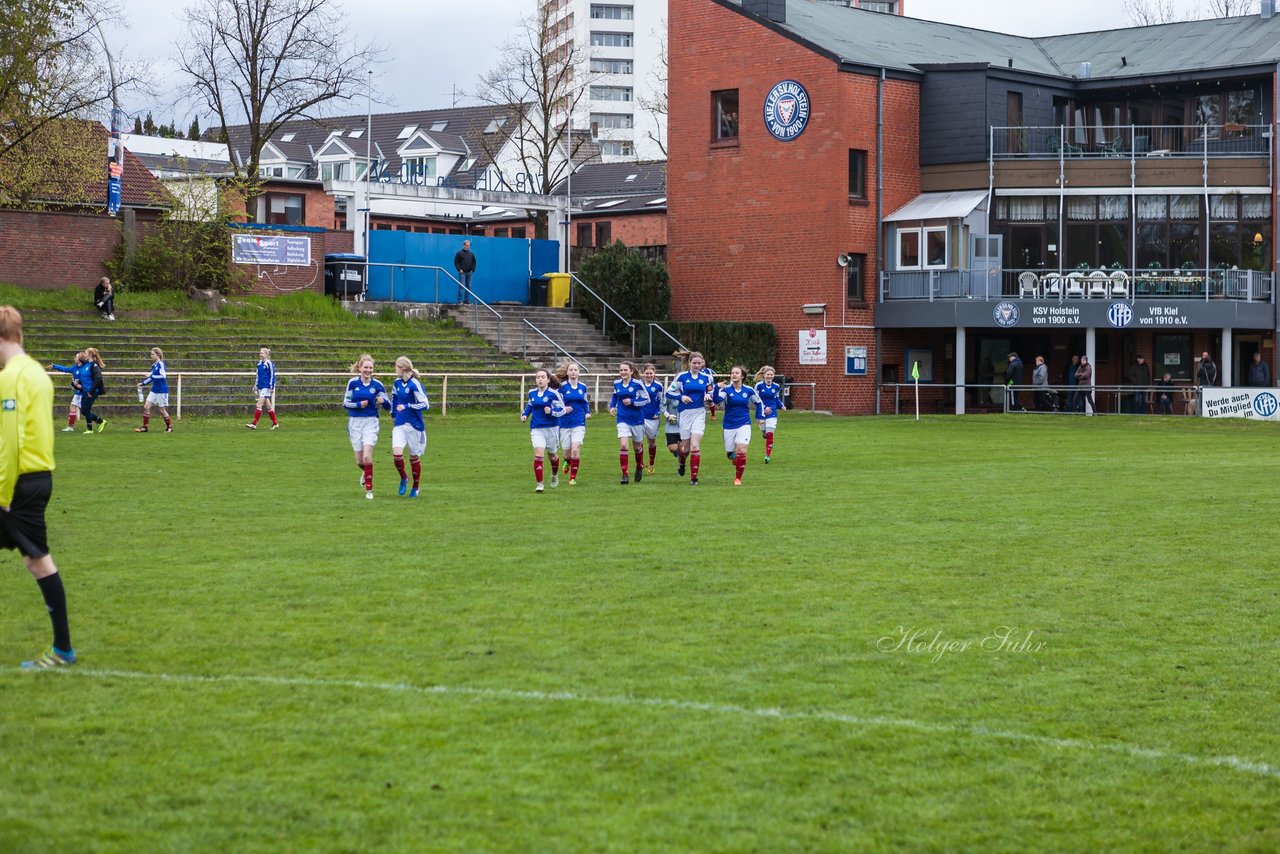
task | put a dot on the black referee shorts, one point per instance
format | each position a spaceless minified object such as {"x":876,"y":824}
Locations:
{"x":673,"y":438}
{"x":23,"y":527}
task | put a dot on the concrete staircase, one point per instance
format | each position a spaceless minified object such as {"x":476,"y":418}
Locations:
{"x":565,"y":326}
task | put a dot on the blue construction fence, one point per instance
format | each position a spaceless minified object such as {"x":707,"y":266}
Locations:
{"x":504,"y":266}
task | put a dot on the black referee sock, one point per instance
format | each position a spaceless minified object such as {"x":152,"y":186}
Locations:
{"x":55,"y":599}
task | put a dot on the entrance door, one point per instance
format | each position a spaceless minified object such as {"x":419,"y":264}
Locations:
{"x":1246,"y":346}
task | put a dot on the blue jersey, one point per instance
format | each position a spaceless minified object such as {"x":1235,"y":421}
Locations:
{"x":358,"y":392}
{"x":695,"y":387}
{"x":771,"y":397}
{"x":158,"y":379}
{"x":655,"y":404}
{"x":575,"y":398}
{"x":738,"y":405}
{"x":74,"y":370}
{"x":544,"y":408}
{"x":629,"y":413}
{"x":413,"y":397}
{"x":266,"y":375}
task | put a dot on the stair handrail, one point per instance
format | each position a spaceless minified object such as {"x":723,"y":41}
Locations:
{"x":674,"y":340}
{"x":475,"y":298}
{"x":604,"y":316}
{"x":524,"y":342}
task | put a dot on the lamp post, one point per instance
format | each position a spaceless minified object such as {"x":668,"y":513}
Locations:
{"x":115,"y":150}
{"x":368,"y":171}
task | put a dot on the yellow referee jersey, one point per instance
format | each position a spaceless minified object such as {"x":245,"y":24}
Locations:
{"x":26,"y":422}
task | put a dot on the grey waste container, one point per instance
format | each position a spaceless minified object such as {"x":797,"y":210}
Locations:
{"x":345,"y":275}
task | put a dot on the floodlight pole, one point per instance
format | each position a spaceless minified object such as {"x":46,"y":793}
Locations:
{"x":368,"y":172}
{"x":115,"y":149}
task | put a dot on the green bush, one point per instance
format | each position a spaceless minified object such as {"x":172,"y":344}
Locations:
{"x":178,"y":255}
{"x":726,"y":343}
{"x":635,"y":286}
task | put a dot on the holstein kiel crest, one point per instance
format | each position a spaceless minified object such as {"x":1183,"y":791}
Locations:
{"x":1006,"y":314}
{"x":786,"y":110}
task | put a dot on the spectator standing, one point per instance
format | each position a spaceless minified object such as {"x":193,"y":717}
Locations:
{"x":1069,"y":379}
{"x":1040,"y":379}
{"x":465,"y":263}
{"x":1084,"y":380}
{"x":1013,"y":376}
{"x":1164,"y":395}
{"x":1207,"y":374}
{"x":1259,"y":375}
{"x":1139,"y":374}
{"x":104,"y":298}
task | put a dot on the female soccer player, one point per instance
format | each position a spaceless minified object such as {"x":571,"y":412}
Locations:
{"x":264,"y":390}
{"x":627,"y":403}
{"x":740,"y":402}
{"x":694,"y":391}
{"x":771,"y":403}
{"x":543,"y":411}
{"x":364,"y":395}
{"x":91,"y":388}
{"x":671,"y":419}
{"x":158,"y":379}
{"x":573,"y":424}
{"x":653,"y":409}
{"x":408,"y":402}
{"x":75,"y":369}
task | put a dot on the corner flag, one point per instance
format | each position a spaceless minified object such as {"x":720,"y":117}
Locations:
{"x":915,"y":371}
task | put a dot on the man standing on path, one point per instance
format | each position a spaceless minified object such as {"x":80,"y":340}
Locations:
{"x":465,"y":263}
{"x":26,"y":478}
{"x":1139,"y":375}
{"x":1259,"y":372}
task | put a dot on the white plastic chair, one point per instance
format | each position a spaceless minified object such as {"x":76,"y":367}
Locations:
{"x":1028,"y":284}
{"x":1120,"y":284}
{"x":1075,"y":285}
{"x":1051,"y":285}
{"x":1098,"y":282}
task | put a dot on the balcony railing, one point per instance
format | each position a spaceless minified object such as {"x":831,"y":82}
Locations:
{"x":1109,"y":284}
{"x":1130,"y":141}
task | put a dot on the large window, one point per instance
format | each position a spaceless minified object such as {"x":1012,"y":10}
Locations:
{"x":584,"y":234}
{"x":612,"y":66}
{"x":334,"y":171}
{"x":604,"y":232}
{"x":611,"y":39}
{"x":857,"y":173}
{"x":282,"y":209}
{"x":424,"y":167}
{"x":612,"y":13}
{"x":616,"y":148}
{"x":611,"y":93}
{"x":922,"y":247}
{"x":612,"y":121}
{"x":724,"y":115}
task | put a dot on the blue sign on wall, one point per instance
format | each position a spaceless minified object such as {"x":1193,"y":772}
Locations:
{"x":504,"y":266}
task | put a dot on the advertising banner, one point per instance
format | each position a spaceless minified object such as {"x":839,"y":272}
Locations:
{"x":1258,"y":403}
{"x":281,"y":251}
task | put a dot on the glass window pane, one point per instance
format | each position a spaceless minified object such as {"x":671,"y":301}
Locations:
{"x":908,"y":249}
{"x":1113,"y":208}
{"x":1113,"y":244}
{"x":1082,"y":245}
{"x":1224,"y":207}
{"x":1184,"y":207}
{"x":1153,"y":245}
{"x":1153,"y":207}
{"x":936,"y":247}
{"x":1082,"y":208}
{"x":1185,"y":245}
{"x":1224,"y":245}
{"x":1255,"y":207}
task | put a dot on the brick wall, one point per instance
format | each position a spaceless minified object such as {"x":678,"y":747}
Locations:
{"x":645,"y":229}
{"x":41,"y":249}
{"x":755,"y":228}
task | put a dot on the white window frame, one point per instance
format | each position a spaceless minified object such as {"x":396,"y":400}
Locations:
{"x":921,"y":234}
{"x":901,"y":233}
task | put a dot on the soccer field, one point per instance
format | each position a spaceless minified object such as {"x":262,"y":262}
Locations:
{"x":984,"y":634}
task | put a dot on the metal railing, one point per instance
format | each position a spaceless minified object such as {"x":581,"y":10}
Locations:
{"x":228,"y":392}
{"x":604,"y":314}
{"x":673,"y":339}
{"x":984,"y":398}
{"x":477,"y":302}
{"x":1086,"y":283}
{"x":524,"y":342}
{"x":1130,"y":141}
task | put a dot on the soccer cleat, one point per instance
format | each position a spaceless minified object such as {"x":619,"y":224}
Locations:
{"x":51,"y":659}
{"x":625,"y":480}
{"x":141,"y":429}
{"x":737,"y":481}
{"x":680,"y":469}
{"x":639,"y":473}
{"x":728,"y":455}
{"x":102,"y":425}
{"x":252,"y":426}
{"x":90,"y":430}
{"x":111,"y":317}
{"x":538,"y":488}
{"x":693,"y":482}
{"x":649,"y":470}
{"x":368,"y":493}
{"x":275,"y":426}
{"x":555,"y":481}
{"x":68,"y":429}
{"x":413,"y":493}
{"x":766,"y":459}
{"x":404,"y":487}
{"x":168,"y":428}
{"x":573,"y":481}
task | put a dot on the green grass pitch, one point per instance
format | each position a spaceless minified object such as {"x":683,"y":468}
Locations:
{"x":270,"y":662}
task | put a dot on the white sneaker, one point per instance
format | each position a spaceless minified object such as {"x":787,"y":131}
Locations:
{"x":68,"y":429}
{"x":369,"y":494}
{"x":538,"y":488}
{"x":111,"y":317}
{"x":555,"y":481}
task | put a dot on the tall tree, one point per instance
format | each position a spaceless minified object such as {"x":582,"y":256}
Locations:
{"x":262,"y":63}
{"x":193,"y":132}
{"x":137,"y":125}
{"x":540,"y":83}
{"x":149,"y":125}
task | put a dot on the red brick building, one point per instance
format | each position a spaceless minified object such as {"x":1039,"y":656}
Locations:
{"x":941,"y":195}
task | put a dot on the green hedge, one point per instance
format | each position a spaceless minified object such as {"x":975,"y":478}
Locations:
{"x":726,"y":343}
{"x":631,"y":283}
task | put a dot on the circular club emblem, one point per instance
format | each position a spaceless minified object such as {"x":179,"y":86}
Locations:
{"x":1006,"y":314}
{"x":786,"y":110}
{"x":1265,"y":404}
{"x":1120,"y":314}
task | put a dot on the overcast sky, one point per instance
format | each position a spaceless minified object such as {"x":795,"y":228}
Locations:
{"x":433,"y":46}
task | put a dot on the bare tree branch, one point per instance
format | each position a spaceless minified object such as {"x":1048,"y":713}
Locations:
{"x":1144,"y":13}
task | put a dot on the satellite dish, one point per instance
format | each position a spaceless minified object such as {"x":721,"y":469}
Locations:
{"x":843,"y":260}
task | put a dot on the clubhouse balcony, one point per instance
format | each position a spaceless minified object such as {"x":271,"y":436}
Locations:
{"x":1129,"y":142}
{"x":995,"y":284}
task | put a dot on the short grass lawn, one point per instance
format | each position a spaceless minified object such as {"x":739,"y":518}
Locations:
{"x":980,"y":634}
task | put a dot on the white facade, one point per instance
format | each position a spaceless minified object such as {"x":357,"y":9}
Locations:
{"x":623,"y":45}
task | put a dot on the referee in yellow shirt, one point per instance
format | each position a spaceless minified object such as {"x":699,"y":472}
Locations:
{"x":26,"y":477}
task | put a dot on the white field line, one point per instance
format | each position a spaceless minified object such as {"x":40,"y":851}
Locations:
{"x":1235,"y":763}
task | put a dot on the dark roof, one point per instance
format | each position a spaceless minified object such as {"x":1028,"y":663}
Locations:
{"x":185,"y":165}
{"x":139,"y":188}
{"x":618,"y":187}
{"x":464,"y":131}
{"x":906,"y":44}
